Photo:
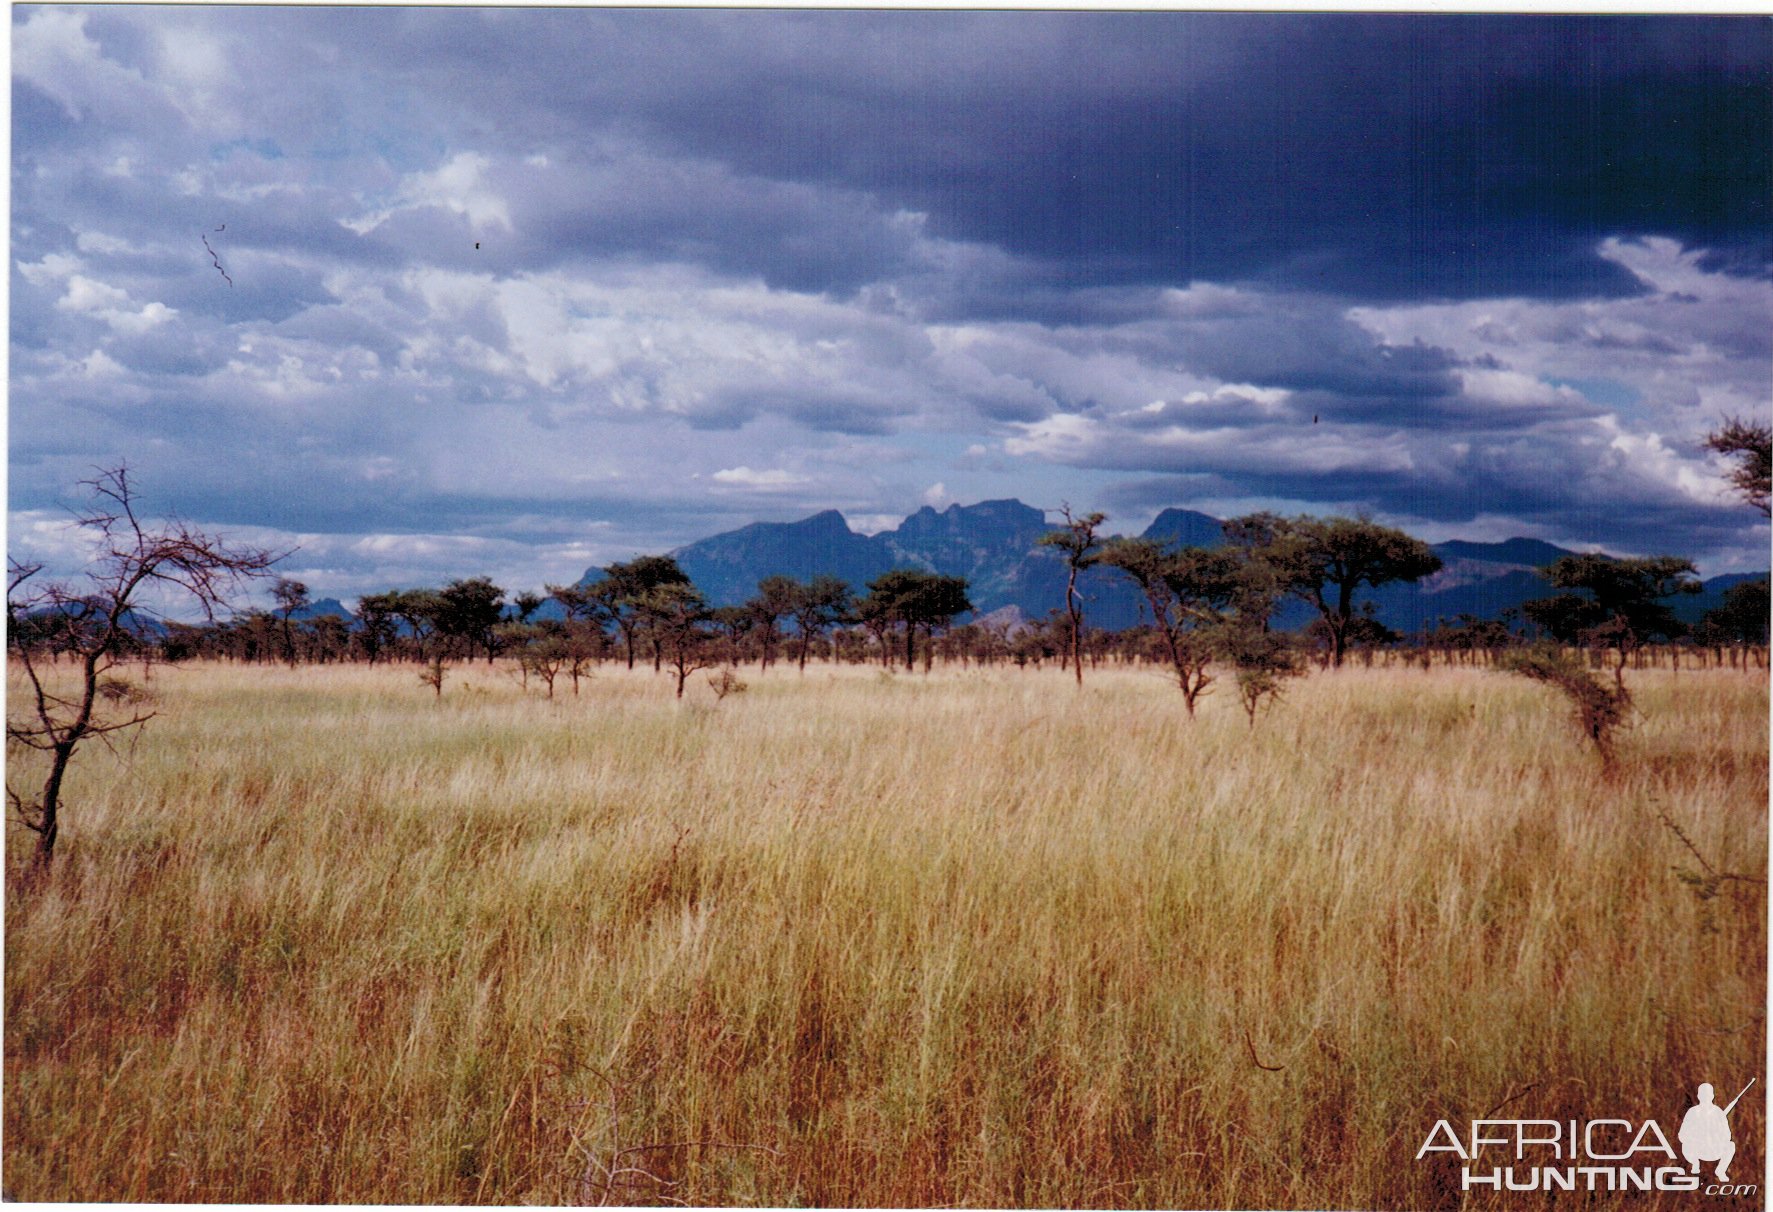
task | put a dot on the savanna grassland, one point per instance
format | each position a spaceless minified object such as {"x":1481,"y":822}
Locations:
{"x":852,"y":938}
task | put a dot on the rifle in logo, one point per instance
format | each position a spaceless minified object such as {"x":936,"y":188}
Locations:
{"x":1705,"y":1131}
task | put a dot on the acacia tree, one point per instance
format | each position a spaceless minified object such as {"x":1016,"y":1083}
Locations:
{"x":1189,"y":593}
{"x":584,"y":635}
{"x":1078,"y":543}
{"x":1260,"y":566}
{"x":583,"y":605}
{"x":526,"y":603}
{"x":290,"y":596}
{"x":94,"y":622}
{"x":1750,"y":443}
{"x":329,"y":638}
{"x":377,"y":627}
{"x":1598,"y":712}
{"x":678,"y":615}
{"x":822,"y":602}
{"x":1615,"y":604}
{"x":874,"y":614}
{"x":469,"y":610}
{"x":913,"y":599}
{"x":624,"y":594}
{"x":1262,"y":660}
{"x":544,"y":649}
{"x":419,"y":609}
{"x":1742,"y":618}
{"x":775,"y":601}
{"x":736,"y":622}
{"x":1325,"y":561}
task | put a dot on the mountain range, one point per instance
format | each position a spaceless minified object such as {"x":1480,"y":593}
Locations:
{"x":994,"y":545}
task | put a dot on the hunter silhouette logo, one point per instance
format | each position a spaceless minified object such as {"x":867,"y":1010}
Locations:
{"x":1594,"y":1154}
{"x":1705,"y":1132}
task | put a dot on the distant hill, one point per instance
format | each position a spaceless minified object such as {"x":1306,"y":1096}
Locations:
{"x":994,"y":545}
{"x":727,"y":567}
{"x":1690,"y":609}
{"x":324,"y":606}
{"x":1185,"y":528}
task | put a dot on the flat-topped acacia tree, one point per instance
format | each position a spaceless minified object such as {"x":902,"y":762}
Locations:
{"x":291,"y":597}
{"x":469,"y":610}
{"x":1617,"y":604}
{"x":679,"y":617}
{"x":1326,"y":561}
{"x":911,"y":598}
{"x":775,"y":600}
{"x":625,"y":593}
{"x":95,"y":622}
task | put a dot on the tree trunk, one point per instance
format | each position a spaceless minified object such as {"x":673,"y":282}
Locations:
{"x":49,"y":812}
{"x":1339,"y":624}
{"x":1077,"y":622}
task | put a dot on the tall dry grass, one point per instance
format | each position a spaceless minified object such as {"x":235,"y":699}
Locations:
{"x":852,"y":939}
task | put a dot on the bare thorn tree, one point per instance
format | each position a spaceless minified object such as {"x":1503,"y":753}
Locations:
{"x":95,"y":622}
{"x":1078,"y":542}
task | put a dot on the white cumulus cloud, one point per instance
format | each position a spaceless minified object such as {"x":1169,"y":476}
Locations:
{"x":748,"y":478}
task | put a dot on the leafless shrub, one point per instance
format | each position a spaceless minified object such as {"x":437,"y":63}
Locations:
{"x":1707,"y":883}
{"x":1599,"y":710}
{"x":726,"y":682}
{"x":434,"y":674}
{"x":614,"y":1173}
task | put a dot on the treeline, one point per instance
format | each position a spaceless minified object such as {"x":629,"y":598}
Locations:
{"x":1206,"y":610}
{"x":1211,"y":609}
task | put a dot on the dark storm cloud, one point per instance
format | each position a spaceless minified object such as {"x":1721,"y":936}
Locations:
{"x":627,"y":203}
{"x":1382,"y":155}
{"x":1386,"y":156}
{"x":1399,"y":158}
{"x":1302,"y":343}
{"x":1552,"y":488}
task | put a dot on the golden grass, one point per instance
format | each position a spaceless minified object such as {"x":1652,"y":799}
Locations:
{"x":855,"y":939}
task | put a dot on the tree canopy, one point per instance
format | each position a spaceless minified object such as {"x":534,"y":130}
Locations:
{"x":1750,"y":443}
{"x":913,"y":599}
{"x":1617,"y":594}
{"x":1326,"y":561}
{"x":469,"y":610}
{"x":1190,"y":594}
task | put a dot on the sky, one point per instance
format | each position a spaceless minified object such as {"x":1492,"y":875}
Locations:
{"x":425,"y":294}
